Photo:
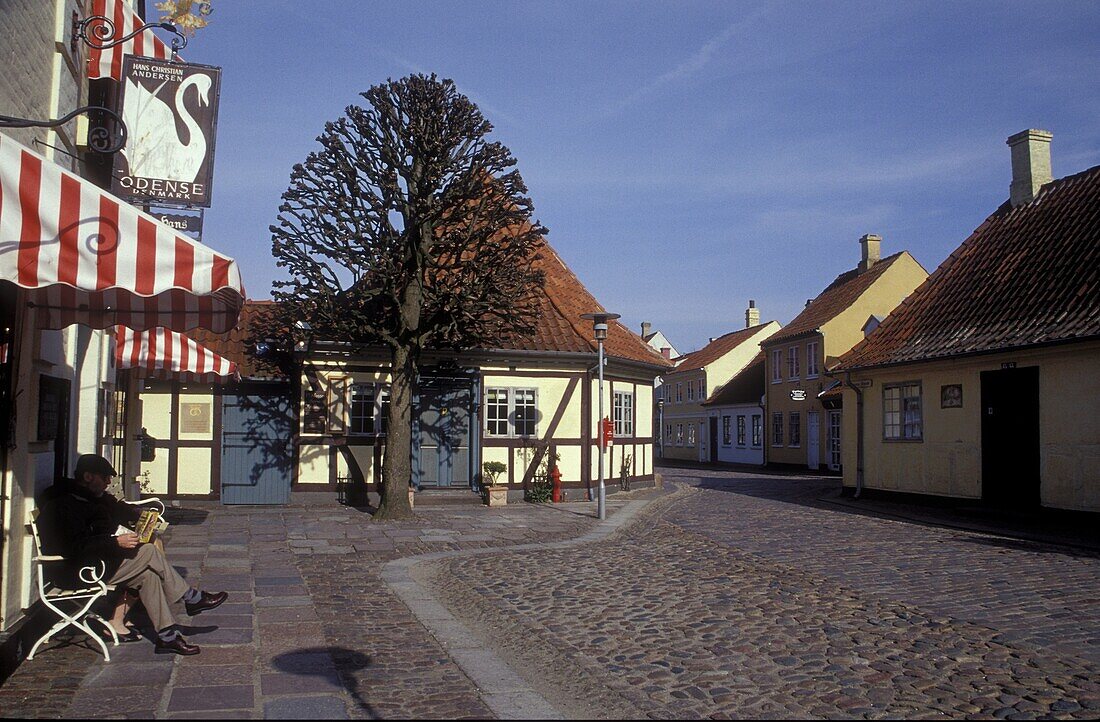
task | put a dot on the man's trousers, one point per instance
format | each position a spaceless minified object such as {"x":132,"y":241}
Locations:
{"x":156,"y":582}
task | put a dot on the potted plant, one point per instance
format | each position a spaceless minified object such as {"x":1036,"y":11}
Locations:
{"x":494,"y":495}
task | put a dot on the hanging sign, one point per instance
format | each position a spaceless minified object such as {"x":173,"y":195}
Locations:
{"x":185,"y":221}
{"x":798,"y":394}
{"x":171,"y":111}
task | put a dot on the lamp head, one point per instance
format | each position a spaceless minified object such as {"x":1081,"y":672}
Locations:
{"x":599,"y":323}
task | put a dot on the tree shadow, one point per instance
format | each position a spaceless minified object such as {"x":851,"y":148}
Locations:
{"x":315,"y":662}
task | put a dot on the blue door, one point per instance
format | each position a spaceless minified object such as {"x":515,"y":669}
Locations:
{"x":444,"y":432}
{"x":257,"y":453}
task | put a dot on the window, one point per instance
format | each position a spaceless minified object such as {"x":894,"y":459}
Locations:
{"x":679,"y":393}
{"x":777,"y":429}
{"x":524,"y":412}
{"x":740,"y":430}
{"x":370,"y":405}
{"x":623,"y":411}
{"x":777,"y":366}
{"x":691,"y":390}
{"x":792,"y":362}
{"x":725,"y":431}
{"x":796,"y":429}
{"x":510,"y":412}
{"x":691,"y":434}
{"x":679,"y":434}
{"x":668,"y":434}
{"x":362,"y":408}
{"x":901,"y":412}
{"x":702,"y":389}
{"x":811,"y":360}
{"x":756,"y":430}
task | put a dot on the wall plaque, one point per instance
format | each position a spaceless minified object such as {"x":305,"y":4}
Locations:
{"x":195,"y":418}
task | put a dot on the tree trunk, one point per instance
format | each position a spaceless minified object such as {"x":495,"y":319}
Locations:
{"x":397,"y":462}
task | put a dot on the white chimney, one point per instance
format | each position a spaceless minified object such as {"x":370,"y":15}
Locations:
{"x":645,"y":328}
{"x":871,"y":251}
{"x":1030,"y":164}
{"x":752,"y":315}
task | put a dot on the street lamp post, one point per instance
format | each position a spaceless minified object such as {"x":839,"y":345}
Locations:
{"x":599,"y":330}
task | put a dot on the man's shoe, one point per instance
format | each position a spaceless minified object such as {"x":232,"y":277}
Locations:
{"x":206,"y":603}
{"x":179,"y":645}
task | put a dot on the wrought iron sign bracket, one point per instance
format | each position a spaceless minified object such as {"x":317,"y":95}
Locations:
{"x":99,"y":138}
{"x":98,"y":33}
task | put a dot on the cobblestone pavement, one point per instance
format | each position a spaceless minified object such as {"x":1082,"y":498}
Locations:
{"x":746,"y":597}
{"x":310,"y":630}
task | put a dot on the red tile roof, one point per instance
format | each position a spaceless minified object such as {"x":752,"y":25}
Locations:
{"x":716,"y":349}
{"x":747,"y":387}
{"x":561,"y":327}
{"x":839,"y":295}
{"x":1027,"y":276}
{"x":235,"y":344}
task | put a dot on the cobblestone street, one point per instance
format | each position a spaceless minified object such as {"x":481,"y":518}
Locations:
{"x":738,"y":595}
{"x":747,"y":598}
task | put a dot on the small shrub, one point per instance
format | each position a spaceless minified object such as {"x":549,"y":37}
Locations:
{"x":491,"y":471}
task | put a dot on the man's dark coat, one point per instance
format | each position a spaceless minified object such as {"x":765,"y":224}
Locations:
{"x":81,"y":527}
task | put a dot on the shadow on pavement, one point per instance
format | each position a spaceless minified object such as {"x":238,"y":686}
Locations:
{"x":348,"y":662}
{"x":1041,"y":530}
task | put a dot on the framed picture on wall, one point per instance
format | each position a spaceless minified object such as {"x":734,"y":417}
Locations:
{"x":951,"y":396}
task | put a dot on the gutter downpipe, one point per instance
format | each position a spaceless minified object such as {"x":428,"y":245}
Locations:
{"x":859,"y":432}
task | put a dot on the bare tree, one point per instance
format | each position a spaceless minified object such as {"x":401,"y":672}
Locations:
{"x":409,"y":229}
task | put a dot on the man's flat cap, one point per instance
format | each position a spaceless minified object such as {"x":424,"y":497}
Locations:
{"x":95,"y":464}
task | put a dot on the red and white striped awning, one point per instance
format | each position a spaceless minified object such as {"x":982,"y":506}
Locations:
{"x":89,"y":258}
{"x":107,"y":63}
{"x":165,"y":354}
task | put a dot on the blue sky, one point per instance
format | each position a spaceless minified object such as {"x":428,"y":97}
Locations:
{"x":686,"y":156}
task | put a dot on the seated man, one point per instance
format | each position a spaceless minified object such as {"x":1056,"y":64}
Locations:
{"x":80,"y":522}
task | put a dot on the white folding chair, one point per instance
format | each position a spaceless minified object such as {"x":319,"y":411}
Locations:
{"x":73,"y":606}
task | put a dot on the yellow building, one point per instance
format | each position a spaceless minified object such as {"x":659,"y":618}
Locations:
{"x":985,"y":383}
{"x":691,"y":430}
{"x":800,"y":430}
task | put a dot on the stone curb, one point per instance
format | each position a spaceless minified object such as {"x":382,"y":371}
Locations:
{"x":506,"y":693}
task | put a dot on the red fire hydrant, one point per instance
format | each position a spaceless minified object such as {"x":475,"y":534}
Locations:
{"x":555,"y":495}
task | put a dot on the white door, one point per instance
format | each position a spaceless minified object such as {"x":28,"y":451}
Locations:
{"x":703,"y":454}
{"x":813,"y":435}
{"x":834,"y":440}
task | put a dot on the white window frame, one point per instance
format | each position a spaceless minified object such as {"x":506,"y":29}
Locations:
{"x":679,"y":392}
{"x":691,"y":390}
{"x":794,"y":430}
{"x":679,"y":434}
{"x":726,"y":430}
{"x":380,"y":407}
{"x":811,"y":360}
{"x":370,"y":419}
{"x":777,"y":430}
{"x":691,"y":435}
{"x":792,"y":363}
{"x":623,"y":413}
{"x":777,"y":366}
{"x":757,"y":431}
{"x":903,"y":411}
{"x":741,"y":430}
{"x":510,"y":405}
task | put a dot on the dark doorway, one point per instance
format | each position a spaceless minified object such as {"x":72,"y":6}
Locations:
{"x":714,"y":438}
{"x":1010,"y":437}
{"x":444,"y":431}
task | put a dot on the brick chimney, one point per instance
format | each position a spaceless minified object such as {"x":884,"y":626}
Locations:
{"x":871,"y":251}
{"x":666,"y":352}
{"x":752,"y":315}
{"x":646,"y":325}
{"x":1030,"y":164}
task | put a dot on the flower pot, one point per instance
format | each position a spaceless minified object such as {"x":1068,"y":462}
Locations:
{"x":496,"y":495}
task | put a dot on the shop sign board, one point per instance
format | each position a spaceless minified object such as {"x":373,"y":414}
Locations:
{"x":171,"y":112}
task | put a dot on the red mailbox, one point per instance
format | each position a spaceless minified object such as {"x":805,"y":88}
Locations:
{"x":608,"y":432}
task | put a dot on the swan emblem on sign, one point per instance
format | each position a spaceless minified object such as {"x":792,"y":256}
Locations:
{"x":155,"y":149}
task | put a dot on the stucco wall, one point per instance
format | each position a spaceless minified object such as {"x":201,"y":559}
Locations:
{"x":948,"y":461}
